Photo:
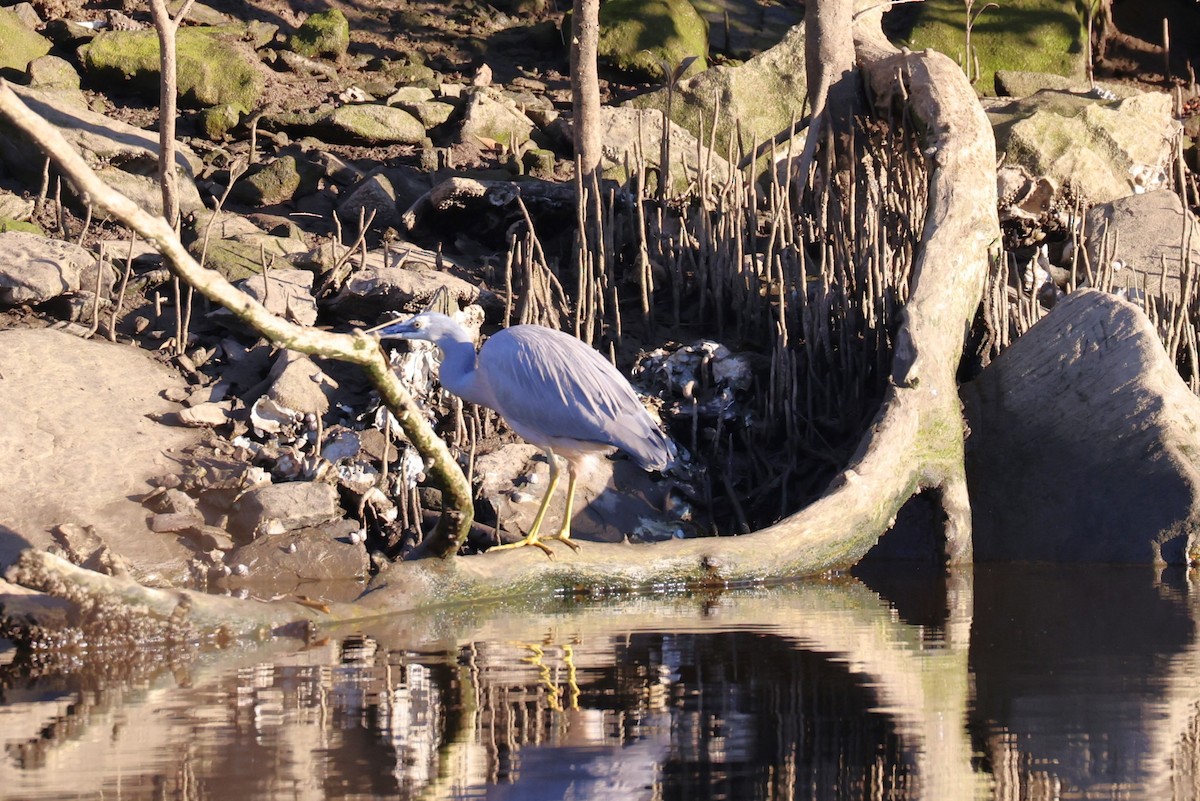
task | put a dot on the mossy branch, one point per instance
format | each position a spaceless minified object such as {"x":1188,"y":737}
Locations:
{"x":358,"y":348}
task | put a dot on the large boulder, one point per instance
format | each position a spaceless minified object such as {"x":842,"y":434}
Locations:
{"x":80,"y":443}
{"x":1141,"y":238}
{"x":1101,"y":148}
{"x":758,"y":98}
{"x":1029,"y":35}
{"x":35,"y":269}
{"x":216,"y":67}
{"x":18,"y":43}
{"x":125,"y":157}
{"x":636,"y":36}
{"x":1083,"y":443}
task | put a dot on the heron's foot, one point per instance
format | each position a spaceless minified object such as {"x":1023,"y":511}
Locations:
{"x":564,"y":537}
{"x":532,"y":539}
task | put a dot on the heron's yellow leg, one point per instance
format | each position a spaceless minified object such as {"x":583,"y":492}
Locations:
{"x":532,"y":537}
{"x":564,"y":532}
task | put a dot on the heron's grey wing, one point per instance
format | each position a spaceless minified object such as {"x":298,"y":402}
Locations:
{"x":550,"y":385}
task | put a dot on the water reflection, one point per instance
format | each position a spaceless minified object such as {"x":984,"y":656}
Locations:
{"x":1013,"y":683}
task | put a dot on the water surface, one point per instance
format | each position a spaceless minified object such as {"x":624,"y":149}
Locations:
{"x":1005,"y":683}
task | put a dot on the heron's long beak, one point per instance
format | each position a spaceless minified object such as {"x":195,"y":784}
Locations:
{"x":391,"y":329}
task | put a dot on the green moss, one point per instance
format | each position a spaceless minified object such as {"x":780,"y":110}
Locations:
{"x":323,"y":34}
{"x":18,"y":44}
{"x":636,"y":35}
{"x":7,"y":225}
{"x":1029,"y":35}
{"x":213,"y":70}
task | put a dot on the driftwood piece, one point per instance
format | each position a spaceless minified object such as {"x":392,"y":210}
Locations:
{"x":914,"y":443}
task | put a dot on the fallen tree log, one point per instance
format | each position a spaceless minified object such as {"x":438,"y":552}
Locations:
{"x":915,"y":442}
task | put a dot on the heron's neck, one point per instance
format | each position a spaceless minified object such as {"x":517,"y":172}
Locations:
{"x":458,"y":370}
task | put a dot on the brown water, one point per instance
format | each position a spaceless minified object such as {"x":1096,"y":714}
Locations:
{"x":1015,"y":683}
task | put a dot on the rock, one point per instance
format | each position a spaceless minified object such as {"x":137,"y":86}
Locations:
{"x":218,"y":121}
{"x":1083,"y":443}
{"x":277,"y":181}
{"x":35,"y":269}
{"x":1101,"y":149}
{"x":80,"y":442}
{"x":408,"y":95}
{"x":216,"y":66}
{"x":326,"y":33}
{"x":286,"y":293}
{"x":125,"y":157}
{"x":242,"y":256}
{"x":27,"y":14}
{"x":207,"y":415}
{"x":363,"y":123}
{"x":539,"y":162}
{"x":431,"y":113}
{"x":411,"y":71}
{"x":403,"y":279}
{"x":613,"y":497}
{"x":51,"y":73}
{"x":761,"y":96}
{"x":637,"y":35}
{"x":1016,"y":83}
{"x":1053,"y":37}
{"x":68,"y":34}
{"x":19,"y":44}
{"x":15,"y":207}
{"x":299,"y":384}
{"x":372,"y":203}
{"x":491,"y":117}
{"x":1145,"y":236}
{"x":290,"y":506}
{"x":236,"y":247}
{"x":291,"y":561}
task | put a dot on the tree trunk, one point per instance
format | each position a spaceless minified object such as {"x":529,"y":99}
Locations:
{"x":585,"y":86}
{"x":914,"y":443}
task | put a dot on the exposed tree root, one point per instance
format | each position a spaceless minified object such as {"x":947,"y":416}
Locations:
{"x":914,"y":443}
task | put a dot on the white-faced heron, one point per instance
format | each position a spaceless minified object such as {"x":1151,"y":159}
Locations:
{"x":552,"y":389}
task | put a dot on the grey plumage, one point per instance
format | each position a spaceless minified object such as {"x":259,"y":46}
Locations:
{"x":552,"y":389}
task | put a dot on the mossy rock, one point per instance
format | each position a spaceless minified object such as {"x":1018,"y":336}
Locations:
{"x":326,"y":33}
{"x":1025,"y":35}
{"x":52,"y":72}
{"x":218,"y":121}
{"x":277,"y":181}
{"x":637,"y":35}
{"x":757,"y":99}
{"x":215,"y":66}
{"x":18,"y":44}
{"x":376,"y":124}
{"x":242,"y":257}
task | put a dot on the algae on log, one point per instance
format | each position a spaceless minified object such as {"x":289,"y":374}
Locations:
{"x":914,"y":443}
